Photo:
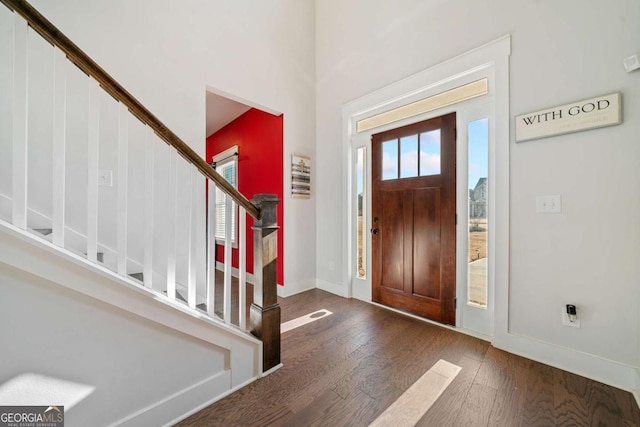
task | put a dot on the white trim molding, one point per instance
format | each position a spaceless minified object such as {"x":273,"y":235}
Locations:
{"x":490,"y":62}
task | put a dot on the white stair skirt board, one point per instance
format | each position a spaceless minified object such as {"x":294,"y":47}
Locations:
{"x":303,"y":320}
{"x":43,"y":259}
{"x":416,"y":401}
{"x":178,"y":406}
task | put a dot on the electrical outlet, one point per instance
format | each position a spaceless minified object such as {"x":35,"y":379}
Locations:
{"x":105,"y":178}
{"x":548,"y":204}
{"x":567,"y":322}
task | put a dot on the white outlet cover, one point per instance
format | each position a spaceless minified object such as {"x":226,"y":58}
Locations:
{"x":549,"y":204}
{"x":566,"y":321}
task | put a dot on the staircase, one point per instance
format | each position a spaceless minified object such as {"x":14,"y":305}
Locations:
{"x":99,"y":197}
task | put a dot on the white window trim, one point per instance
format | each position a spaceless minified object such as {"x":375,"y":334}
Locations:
{"x":225,"y":157}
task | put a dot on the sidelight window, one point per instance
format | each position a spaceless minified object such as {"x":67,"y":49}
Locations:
{"x":478,"y":132}
{"x":361,"y":204}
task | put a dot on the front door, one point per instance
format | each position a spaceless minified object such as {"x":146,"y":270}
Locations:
{"x":414,"y":218}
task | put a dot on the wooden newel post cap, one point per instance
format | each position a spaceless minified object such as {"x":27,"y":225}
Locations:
{"x":267,"y":204}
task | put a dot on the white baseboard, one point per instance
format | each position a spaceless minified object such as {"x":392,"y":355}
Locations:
{"x":179,"y":405}
{"x":207,"y":403}
{"x":236,"y":273}
{"x":597,"y":368}
{"x":334,"y":288}
{"x":293,"y":288}
{"x":283,"y":291}
{"x":636,"y":390}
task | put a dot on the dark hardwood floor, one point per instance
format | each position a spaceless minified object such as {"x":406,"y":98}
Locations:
{"x":347,"y":368}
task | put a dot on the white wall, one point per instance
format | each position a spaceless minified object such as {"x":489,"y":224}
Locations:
{"x":125,"y":362}
{"x":561,"y":52}
{"x":166,"y":54}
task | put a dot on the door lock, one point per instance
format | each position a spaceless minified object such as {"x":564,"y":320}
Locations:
{"x":374,"y":231}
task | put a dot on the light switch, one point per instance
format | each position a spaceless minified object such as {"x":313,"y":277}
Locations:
{"x":548,"y":204}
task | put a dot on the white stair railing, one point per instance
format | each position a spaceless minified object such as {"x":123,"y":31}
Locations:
{"x":120,"y":260}
{"x":165,"y":255}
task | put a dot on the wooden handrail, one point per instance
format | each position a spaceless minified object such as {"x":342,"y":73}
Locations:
{"x":54,"y":36}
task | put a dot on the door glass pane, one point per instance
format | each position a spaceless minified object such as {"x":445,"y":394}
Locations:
{"x":430,"y":153}
{"x":361,"y":203}
{"x":409,"y":156}
{"x":478,"y":196}
{"x":390,"y":159}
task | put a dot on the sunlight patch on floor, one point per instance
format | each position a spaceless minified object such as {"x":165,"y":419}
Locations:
{"x":416,"y":401}
{"x":303,"y":320}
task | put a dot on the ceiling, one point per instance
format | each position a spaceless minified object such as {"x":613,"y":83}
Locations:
{"x":221,"y":111}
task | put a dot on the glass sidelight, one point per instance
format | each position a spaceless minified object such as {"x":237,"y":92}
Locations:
{"x":361,"y":206}
{"x":478,"y":147}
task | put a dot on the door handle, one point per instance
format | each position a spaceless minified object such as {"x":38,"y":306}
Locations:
{"x":374,"y":231}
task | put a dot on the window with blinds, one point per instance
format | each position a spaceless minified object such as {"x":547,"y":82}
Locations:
{"x":227,"y":167}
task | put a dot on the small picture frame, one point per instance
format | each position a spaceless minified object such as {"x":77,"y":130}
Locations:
{"x":300,"y":176}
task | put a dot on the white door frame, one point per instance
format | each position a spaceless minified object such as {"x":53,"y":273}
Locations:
{"x":488,"y":61}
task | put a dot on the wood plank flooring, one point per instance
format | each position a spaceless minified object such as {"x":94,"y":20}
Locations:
{"x":347,"y":368}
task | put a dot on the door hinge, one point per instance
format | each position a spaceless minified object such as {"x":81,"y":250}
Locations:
{"x":456,"y":219}
{"x":455,"y":303}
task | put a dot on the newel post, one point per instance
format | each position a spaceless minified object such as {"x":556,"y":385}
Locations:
{"x":265,"y":311}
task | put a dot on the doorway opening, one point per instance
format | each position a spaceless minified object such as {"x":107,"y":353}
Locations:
{"x":245,"y":145}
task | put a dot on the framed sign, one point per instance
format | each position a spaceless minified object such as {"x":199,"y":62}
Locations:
{"x":590,"y":113}
{"x":300,"y":176}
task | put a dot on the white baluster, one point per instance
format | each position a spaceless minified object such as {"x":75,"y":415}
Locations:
{"x":211,"y":249}
{"x":227,"y":258}
{"x":92,"y":171}
{"x":59,"y":145}
{"x":191,"y":264}
{"x":123,"y":182}
{"x":148,"y":206}
{"x":242,"y":267}
{"x":20,"y":121}
{"x":171,"y":226}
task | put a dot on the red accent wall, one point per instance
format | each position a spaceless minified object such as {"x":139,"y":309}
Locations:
{"x":258,"y":136}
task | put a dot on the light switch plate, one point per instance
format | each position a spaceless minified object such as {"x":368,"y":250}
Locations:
{"x":632,"y":63}
{"x":549,"y":204}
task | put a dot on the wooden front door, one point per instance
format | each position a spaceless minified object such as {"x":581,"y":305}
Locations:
{"x":414,"y":218}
